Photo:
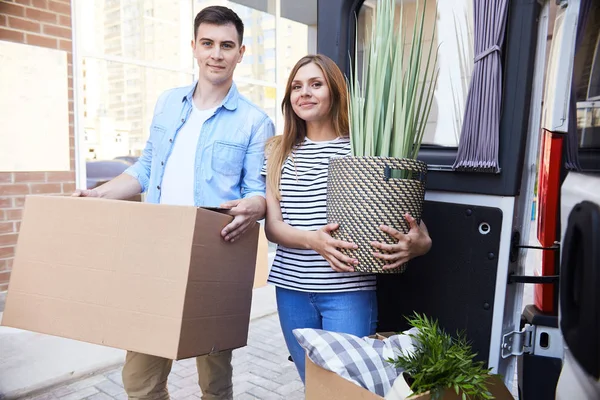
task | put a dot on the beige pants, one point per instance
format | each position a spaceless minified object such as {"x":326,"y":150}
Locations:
{"x":145,"y":376}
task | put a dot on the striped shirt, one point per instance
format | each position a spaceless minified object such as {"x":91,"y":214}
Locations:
{"x":303,"y":206}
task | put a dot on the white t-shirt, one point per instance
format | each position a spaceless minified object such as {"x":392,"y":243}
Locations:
{"x":177,"y":185}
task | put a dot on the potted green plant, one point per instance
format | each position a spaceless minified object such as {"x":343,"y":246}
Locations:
{"x":388,"y":106}
{"x":441,"y":362}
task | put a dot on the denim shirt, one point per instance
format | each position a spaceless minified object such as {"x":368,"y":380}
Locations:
{"x":229,"y":154}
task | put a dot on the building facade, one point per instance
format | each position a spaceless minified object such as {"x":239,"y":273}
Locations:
{"x":43,"y":24}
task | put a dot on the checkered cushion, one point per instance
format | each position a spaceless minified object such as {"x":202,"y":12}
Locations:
{"x":359,"y":360}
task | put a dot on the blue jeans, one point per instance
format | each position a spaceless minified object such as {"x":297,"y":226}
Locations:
{"x":347,"y":312}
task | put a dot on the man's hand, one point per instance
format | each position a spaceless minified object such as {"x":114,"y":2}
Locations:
{"x":413,"y":244}
{"x":245,"y":212}
{"x":122,"y":187}
{"x":85,"y":193}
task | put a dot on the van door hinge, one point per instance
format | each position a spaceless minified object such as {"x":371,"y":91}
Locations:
{"x":516,"y":343}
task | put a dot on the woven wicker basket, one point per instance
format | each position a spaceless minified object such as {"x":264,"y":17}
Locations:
{"x":365,"y":192}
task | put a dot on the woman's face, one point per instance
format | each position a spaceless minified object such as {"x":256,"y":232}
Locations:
{"x":310,"y":96}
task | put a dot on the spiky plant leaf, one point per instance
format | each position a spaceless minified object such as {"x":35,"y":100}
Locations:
{"x":390,"y":105}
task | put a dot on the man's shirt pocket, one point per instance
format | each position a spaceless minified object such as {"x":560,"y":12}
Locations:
{"x":228,"y":157}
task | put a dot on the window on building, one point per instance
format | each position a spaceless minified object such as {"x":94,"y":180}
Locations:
{"x":269,"y":34}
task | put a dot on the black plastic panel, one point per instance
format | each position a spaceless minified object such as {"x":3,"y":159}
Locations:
{"x":589,"y":160}
{"x":538,"y":376}
{"x":336,"y":30}
{"x":580,"y":280}
{"x":533,"y":316}
{"x":455,"y":282}
{"x":336,"y":35}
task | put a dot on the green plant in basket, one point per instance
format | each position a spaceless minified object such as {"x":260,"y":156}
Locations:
{"x":389,"y":105}
{"x":440,"y":362}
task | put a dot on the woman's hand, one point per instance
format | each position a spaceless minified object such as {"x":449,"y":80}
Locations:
{"x":322,"y":242}
{"x":413,"y":244}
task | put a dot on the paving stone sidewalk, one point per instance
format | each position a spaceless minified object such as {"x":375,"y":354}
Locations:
{"x":261,"y":370}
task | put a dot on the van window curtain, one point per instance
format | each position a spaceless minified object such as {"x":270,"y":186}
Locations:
{"x":478,"y":145}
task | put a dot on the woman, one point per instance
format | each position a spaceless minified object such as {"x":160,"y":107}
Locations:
{"x":316,"y":286}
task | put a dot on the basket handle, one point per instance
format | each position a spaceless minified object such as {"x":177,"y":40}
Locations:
{"x":396,"y":173}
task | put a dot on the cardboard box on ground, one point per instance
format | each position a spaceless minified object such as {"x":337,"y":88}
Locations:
{"x":324,"y":384}
{"x":150,"y":278}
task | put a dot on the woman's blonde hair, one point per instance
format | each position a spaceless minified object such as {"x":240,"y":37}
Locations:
{"x":294,"y":128}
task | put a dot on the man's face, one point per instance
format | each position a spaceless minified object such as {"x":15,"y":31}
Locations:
{"x":217,"y":51}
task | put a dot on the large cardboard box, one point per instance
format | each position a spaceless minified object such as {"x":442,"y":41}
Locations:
{"x":323,"y":384}
{"x":155,"y":279}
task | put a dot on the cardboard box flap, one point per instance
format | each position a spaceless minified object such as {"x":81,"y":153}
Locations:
{"x":212,"y":334}
{"x":217,"y":267}
{"x":231,"y":262}
{"x":262,"y":260}
{"x":323,"y":384}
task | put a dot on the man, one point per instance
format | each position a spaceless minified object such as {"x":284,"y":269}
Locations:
{"x":206,"y":148}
